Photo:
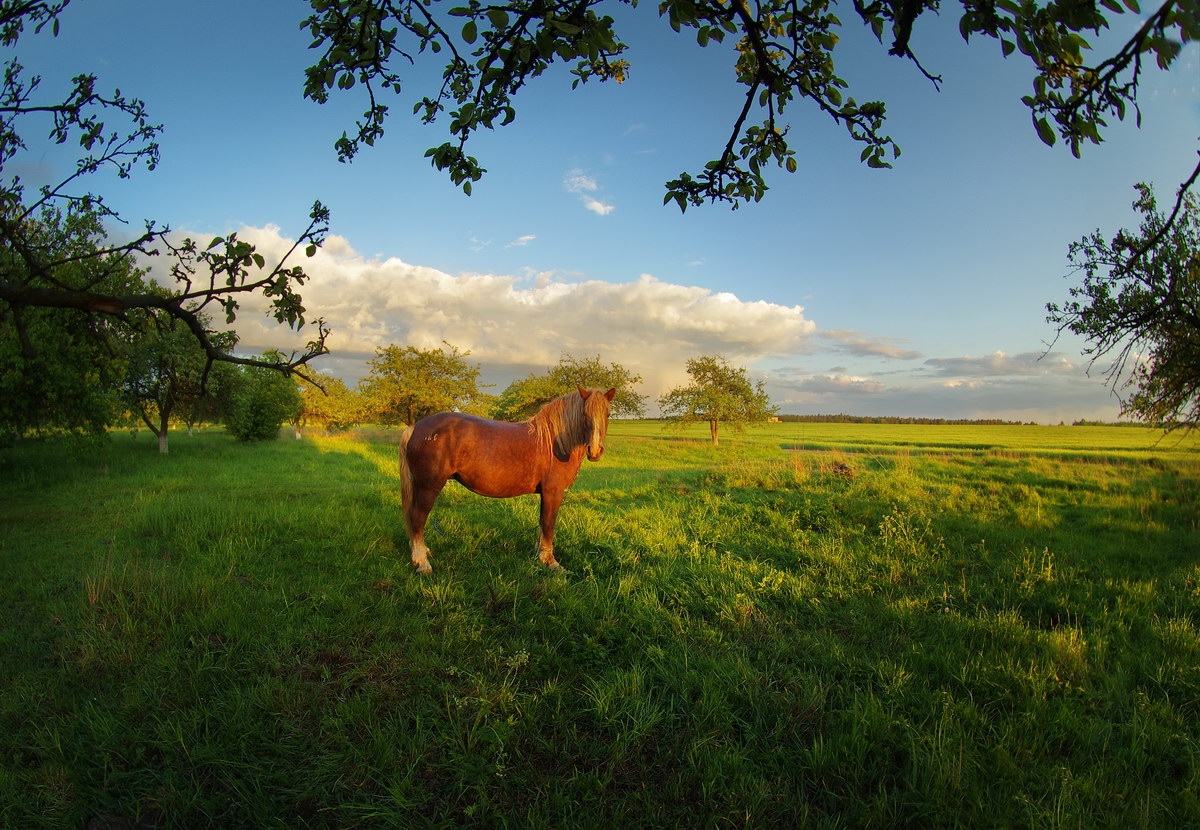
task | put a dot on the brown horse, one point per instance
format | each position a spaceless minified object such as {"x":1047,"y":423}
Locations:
{"x":500,"y":460}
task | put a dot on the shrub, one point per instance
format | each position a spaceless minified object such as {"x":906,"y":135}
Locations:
{"x":256,"y":402}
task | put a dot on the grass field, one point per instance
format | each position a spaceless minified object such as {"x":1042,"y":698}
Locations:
{"x":824,"y":625}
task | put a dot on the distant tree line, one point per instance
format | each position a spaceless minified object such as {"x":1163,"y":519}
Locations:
{"x":895,"y":419}
{"x":1084,"y":422}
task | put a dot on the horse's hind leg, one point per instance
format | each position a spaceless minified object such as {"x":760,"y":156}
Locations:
{"x":418,"y":513}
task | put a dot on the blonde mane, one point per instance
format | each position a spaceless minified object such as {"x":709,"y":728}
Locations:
{"x":566,"y":422}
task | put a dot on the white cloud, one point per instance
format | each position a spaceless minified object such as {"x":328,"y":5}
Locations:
{"x":841,"y":384}
{"x":1048,"y":397}
{"x":516,"y":324}
{"x":999,"y":364}
{"x":583,"y":185}
{"x":597,"y":207}
{"x":579,"y":182}
{"x":649,"y":326}
{"x":521,"y":241}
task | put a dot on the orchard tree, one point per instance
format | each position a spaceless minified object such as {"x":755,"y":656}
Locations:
{"x":782,"y":52}
{"x":522,"y":398}
{"x":1140,"y":305}
{"x":166,"y":371}
{"x":256,"y":399}
{"x":407,"y":383}
{"x":60,"y":369}
{"x":329,"y":403}
{"x":40,"y":258}
{"x":718,"y":393}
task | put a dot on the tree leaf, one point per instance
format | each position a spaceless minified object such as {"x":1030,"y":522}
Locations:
{"x":498,"y":18}
{"x":1045,"y":132}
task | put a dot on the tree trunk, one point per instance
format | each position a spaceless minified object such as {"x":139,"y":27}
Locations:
{"x":164,"y":417}
{"x":712,"y":430}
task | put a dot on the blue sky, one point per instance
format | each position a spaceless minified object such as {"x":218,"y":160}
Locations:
{"x":914,"y":291}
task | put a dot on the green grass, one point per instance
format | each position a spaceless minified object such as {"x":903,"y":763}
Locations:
{"x":836,"y":625}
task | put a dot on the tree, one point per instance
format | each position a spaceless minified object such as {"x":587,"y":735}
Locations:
{"x":330,"y":404}
{"x":256,"y":399}
{"x":407,"y":383}
{"x":522,"y":398}
{"x":1140,"y":302}
{"x":59,"y":368}
{"x":166,"y":371}
{"x":782,"y":51}
{"x":718,"y":392}
{"x":34,"y":263}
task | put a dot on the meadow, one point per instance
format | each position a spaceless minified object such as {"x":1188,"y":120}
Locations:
{"x":818,"y":625}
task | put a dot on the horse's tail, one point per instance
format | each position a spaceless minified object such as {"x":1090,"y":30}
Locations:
{"x":406,"y":480}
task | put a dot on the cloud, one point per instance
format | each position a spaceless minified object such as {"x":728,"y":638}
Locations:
{"x":521,"y":241}
{"x":841,"y":384}
{"x":516,"y":324}
{"x":649,"y":326}
{"x":998,"y":364}
{"x":863,"y":345}
{"x":579,"y":182}
{"x":1057,"y":391}
{"x":598,"y":207}
{"x":583,"y":185}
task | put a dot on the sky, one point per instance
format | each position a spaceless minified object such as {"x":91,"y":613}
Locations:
{"x":916,"y":291}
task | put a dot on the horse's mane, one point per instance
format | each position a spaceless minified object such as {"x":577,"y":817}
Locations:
{"x":565,"y":423}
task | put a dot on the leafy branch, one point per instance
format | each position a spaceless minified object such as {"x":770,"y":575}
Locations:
{"x":44,"y":235}
{"x":783,"y":51}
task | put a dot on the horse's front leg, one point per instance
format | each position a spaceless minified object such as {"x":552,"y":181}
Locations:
{"x":551,"y":500}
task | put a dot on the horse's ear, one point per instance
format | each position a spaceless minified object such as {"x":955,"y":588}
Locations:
{"x":610,"y":394}
{"x":583,"y":393}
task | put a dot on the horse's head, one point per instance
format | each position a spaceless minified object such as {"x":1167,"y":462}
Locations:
{"x":595,"y":407}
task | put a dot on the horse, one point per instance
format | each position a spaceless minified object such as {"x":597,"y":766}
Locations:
{"x":501,"y":459}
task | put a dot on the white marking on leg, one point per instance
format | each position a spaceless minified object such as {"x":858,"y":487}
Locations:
{"x":546,"y":557}
{"x":420,"y":558}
